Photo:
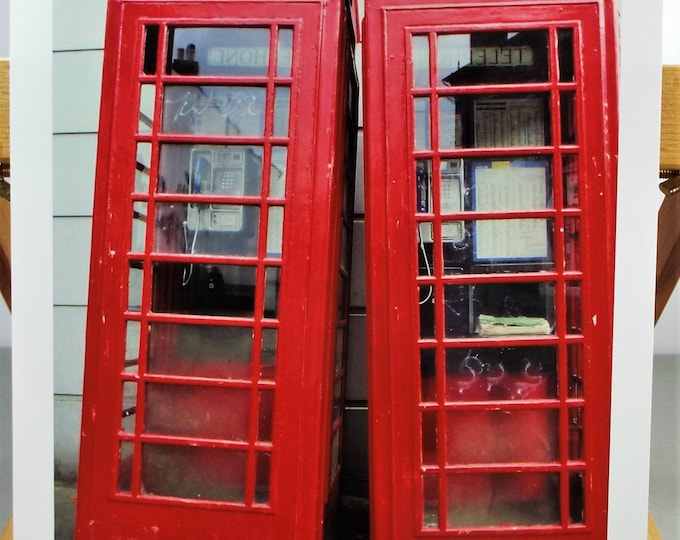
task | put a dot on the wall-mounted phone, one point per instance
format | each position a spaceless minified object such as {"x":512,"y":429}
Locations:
{"x":216,"y":170}
{"x":451,"y":192}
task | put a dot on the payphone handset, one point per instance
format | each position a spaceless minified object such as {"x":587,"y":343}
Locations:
{"x":216,"y":171}
{"x":451,"y":192}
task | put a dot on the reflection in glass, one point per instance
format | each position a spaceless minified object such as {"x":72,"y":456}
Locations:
{"x":421,"y":110}
{"x":214,"y":110}
{"x":281,"y":111}
{"x":218,"y":51}
{"x":147,"y":105}
{"x":142,"y":167}
{"x":220,"y":352}
{"x":189,"y":411}
{"x":207,"y":473}
{"x":421,"y":61}
{"x":492,"y":57}
{"x":284,"y":56}
{"x":503,"y":499}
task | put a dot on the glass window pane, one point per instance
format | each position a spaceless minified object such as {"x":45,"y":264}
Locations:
{"x":129,"y":408}
{"x":227,"y":170}
{"x":197,"y":411}
{"x":575,"y":363}
{"x":430,"y":501}
{"x":219,"y":51}
{"x":268,"y":354}
{"x":139,"y":215}
{"x":271,"y":292}
{"x":281,"y":111}
{"x":222,"y":352}
{"x":275,"y":231}
{"x":428,"y":379}
{"x":576,"y":497}
{"x":574,"y":315}
{"x":572,"y":245}
{"x":193,"y":472}
{"x":450,"y":123}
{"x":265,"y":418}
{"x":204,"y":289}
{"x":132,"y":337}
{"x":277,"y":180}
{"x":136,"y":274}
{"x":142,"y":167}
{"x":569,"y":129}
{"x":427,"y":320}
{"x":429,"y":438}
{"x":284,"y":56}
{"x":503,"y":500}
{"x":570,"y":181}
{"x":565,"y":44}
{"x":147,"y":105}
{"x":493,"y":57}
{"x":576,"y":434}
{"x":151,"y":48}
{"x":125,"y":466}
{"x":509,"y":373}
{"x":210,"y":229}
{"x":421,"y":108}
{"x":421,"y":61}
{"x":214,"y":110}
{"x":262,"y":475}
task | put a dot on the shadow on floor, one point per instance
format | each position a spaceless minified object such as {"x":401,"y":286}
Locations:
{"x":353,"y":514}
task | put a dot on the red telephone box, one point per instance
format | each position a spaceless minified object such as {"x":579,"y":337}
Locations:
{"x":491,"y":141}
{"x":220,"y":262}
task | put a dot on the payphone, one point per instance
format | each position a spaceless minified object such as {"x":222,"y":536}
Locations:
{"x":216,"y":334}
{"x":490,"y":139}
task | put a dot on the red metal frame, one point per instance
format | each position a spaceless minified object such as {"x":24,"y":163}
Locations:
{"x":309,"y":365}
{"x":397,"y":406}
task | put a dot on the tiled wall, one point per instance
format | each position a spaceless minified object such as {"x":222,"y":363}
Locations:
{"x":77,"y":67}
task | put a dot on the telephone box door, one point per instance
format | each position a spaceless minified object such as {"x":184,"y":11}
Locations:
{"x":213,"y":317}
{"x":490,"y":130}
